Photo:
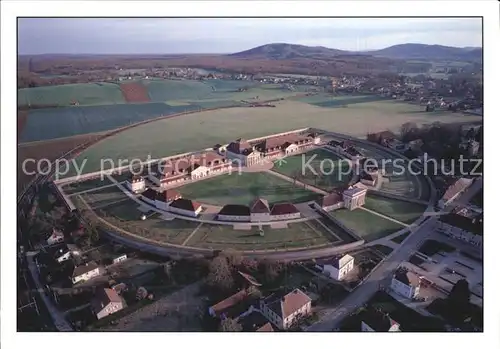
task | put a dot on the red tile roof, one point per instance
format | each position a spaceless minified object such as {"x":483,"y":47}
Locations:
{"x":225,"y":304}
{"x":185,"y":204}
{"x":286,"y":208}
{"x":288,"y":304}
{"x":168,"y":195}
{"x":103,"y":297}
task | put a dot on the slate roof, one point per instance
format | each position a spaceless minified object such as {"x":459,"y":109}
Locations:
{"x":473,"y":225}
{"x":235,"y":210}
{"x":407,"y":277}
{"x":377,"y":320}
{"x":285,"y":208}
{"x":330,"y":199}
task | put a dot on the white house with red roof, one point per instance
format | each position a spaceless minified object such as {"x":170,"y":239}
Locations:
{"x":284,"y":309}
{"x":185,"y":207}
{"x":406,"y":283}
{"x":163,"y":199}
{"x":284,"y":211}
{"x":260,"y":211}
{"x":106,"y":302}
{"x":136,"y":184}
{"x":338,"y":267}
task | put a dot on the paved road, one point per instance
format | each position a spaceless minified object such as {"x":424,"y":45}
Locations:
{"x":381,"y":273}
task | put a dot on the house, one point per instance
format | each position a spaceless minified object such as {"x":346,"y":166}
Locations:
{"x":55,"y":237}
{"x":106,"y":302}
{"x":330,"y":202}
{"x":233,"y":305}
{"x":354,"y":197}
{"x":239,"y":213}
{"x":74,"y":250}
{"x":119,"y":259}
{"x":245,"y":153}
{"x":376,"y":321}
{"x":454,"y":191}
{"x":85,"y":272}
{"x":163,"y":199}
{"x":338,"y":267}
{"x":185,"y":207}
{"x":406,"y":283}
{"x":283,"y":145}
{"x":284,"y":309}
{"x":284,"y":211}
{"x":259,"y":211}
{"x":457,"y":226}
{"x":149,"y":196}
{"x":136,"y":184}
{"x":254,"y":321}
{"x":62,"y":254}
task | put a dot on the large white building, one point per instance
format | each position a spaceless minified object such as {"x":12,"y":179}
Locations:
{"x":284,"y":310}
{"x":337,"y":268}
{"x":354,"y":197}
{"x":85,"y":272}
{"x":468,"y":229}
{"x":406,"y":283}
{"x":136,"y":184}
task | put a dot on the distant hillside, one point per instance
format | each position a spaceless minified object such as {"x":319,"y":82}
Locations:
{"x":430,"y":52}
{"x":283,"y":51}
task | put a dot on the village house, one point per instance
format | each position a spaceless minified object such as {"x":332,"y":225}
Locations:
{"x":354,"y":197}
{"x":338,"y":267}
{"x":285,"y":309}
{"x":106,"y":301}
{"x":185,"y":207}
{"x":163,"y":199}
{"x":284,"y":211}
{"x":55,"y":237}
{"x":232,"y":306}
{"x":85,"y":272}
{"x":136,"y":184}
{"x":62,"y":254}
{"x":120,"y":259}
{"x":330,"y":202}
{"x":254,"y":321}
{"x":245,"y":153}
{"x":368,"y":179}
{"x":186,"y":168}
{"x":376,"y":321}
{"x":454,"y":191}
{"x":239,"y":213}
{"x":260,"y":211}
{"x":457,"y":226}
{"x":284,"y":145}
{"x":406,"y":283}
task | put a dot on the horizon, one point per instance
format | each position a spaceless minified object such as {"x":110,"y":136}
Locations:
{"x":189,"y":36}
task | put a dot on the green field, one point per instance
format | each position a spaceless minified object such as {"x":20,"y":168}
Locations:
{"x":328,"y":101}
{"x":65,"y":95}
{"x":77,"y":187}
{"x":244,"y":188}
{"x":189,"y":132}
{"x":402,"y":211}
{"x":103,"y":197}
{"x":365,"y":224}
{"x":335,"y":171}
{"x":224,"y":236}
{"x":155,"y":228}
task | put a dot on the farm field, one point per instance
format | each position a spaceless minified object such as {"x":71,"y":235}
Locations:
{"x":243,"y":189}
{"x":365,"y":224}
{"x":292,"y":166}
{"x":169,"y":137}
{"x":223,"y":237}
{"x":46,"y":124}
{"x":134,"y":92}
{"x":402,"y":211}
{"x":155,"y":228}
{"x":329,"y":101}
{"x":65,"y":95}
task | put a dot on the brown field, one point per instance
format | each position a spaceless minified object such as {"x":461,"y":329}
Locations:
{"x":22,"y":116}
{"x":50,"y":150}
{"x":134,"y":92}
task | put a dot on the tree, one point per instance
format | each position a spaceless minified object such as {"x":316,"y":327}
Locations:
{"x":230,"y":325}
{"x":460,"y":294}
{"x":272,"y":270}
{"x":220,"y":273}
{"x":408,"y":130}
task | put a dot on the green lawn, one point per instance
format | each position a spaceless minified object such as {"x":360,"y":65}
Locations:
{"x":105,"y":196}
{"x":244,"y":188}
{"x":365,"y":224}
{"x":221,"y":237}
{"x":174,"y":231}
{"x":85,"y":185}
{"x":329,"y":171}
{"x":402,"y":211}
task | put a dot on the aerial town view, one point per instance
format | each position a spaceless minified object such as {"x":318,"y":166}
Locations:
{"x":272,"y":179}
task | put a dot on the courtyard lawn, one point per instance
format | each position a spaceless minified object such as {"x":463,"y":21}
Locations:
{"x":219,"y":237}
{"x":155,"y":228}
{"x":243,"y":188}
{"x":365,"y":224}
{"x":402,"y":211}
{"x":189,"y":132}
{"x":103,"y":197}
{"x":330,"y":171}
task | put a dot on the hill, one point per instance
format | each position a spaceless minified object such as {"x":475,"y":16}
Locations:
{"x":282,"y":51}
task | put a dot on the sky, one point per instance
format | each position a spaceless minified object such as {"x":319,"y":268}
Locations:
{"x":229,"y":35}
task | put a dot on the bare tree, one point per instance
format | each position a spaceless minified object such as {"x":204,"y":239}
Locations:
{"x":220,"y":273}
{"x":230,"y":325}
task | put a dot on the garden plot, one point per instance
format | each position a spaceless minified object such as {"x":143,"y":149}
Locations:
{"x":103,"y":197}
